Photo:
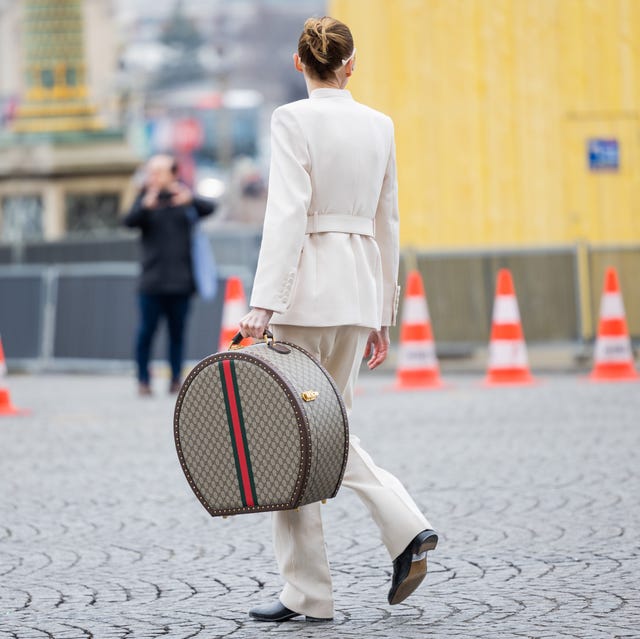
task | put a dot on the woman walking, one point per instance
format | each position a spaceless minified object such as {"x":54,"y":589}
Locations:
{"x":326,"y":280}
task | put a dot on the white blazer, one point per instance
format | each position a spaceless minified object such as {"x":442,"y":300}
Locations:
{"x":330,"y":248}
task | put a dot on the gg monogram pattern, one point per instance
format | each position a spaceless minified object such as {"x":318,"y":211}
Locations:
{"x":327,"y":420}
{"x":297,"y":449}
{"x":205,"y":444}
{"x":273,"y":435}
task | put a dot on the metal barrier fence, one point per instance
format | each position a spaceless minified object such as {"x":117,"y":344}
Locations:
{"x":558,"y":291}
{"x":81,"y":315}
{"x":73,"y":302}
{"x":460,"y":288}
{"x":626,"y":259}
{"x":86,"y":314}
{"x":23,"y":306}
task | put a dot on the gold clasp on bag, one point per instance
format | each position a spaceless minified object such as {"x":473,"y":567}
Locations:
{"x":310,"y":395}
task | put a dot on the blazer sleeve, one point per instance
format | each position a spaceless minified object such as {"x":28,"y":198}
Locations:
{"x":285,"y":220}
{"x":387,"y":227}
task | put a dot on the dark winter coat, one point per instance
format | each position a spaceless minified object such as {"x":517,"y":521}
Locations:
{"x":166,"y":243}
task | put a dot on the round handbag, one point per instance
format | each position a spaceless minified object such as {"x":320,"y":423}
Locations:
{"x":261,"y":428}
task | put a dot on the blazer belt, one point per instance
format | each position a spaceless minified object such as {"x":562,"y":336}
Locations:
{"x":334,"y":223}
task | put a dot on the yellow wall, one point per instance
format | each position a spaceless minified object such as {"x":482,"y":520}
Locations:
{"x":493,"y":102}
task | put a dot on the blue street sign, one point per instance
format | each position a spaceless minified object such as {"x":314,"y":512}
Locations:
{"x":603,"y":155}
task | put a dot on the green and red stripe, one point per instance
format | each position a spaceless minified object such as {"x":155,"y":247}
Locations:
{"x":238,"y":432}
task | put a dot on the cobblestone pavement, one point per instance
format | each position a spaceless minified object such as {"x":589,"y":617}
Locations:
{"x":535,"y":492}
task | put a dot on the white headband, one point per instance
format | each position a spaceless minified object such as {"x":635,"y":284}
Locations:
{"x":345,"y":60}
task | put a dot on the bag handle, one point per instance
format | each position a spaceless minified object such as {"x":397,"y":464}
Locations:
{"x":268,"y":339}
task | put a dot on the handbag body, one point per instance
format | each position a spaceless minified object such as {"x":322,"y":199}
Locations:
{"x":259,"y":429}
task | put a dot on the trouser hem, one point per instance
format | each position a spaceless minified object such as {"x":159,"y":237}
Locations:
{"x":294,"y":599}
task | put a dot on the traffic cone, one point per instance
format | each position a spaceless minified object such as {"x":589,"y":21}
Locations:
{"x":6,"y":407}
{"x":234,"y":309}
{"x":613,"y":356}
{"x":508,"y":361}
{"x":417,"y":362}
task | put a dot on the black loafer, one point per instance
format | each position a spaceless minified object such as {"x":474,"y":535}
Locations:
{"x":278,"y":612}
{"x":410,"y":567}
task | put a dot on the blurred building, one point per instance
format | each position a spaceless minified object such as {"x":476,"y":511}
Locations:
{"x":100,"y":39}
{"x":62,"y":168}
{"x":517,"y":121}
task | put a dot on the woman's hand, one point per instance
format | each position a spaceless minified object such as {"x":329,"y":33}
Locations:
{"x":255,"y":322}
{"x":377,"y":347}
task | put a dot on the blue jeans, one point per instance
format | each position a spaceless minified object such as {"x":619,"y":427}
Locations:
{"x":175,"y":308}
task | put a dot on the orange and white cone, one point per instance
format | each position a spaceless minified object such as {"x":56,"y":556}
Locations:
{"x":417,"y":362}
{"x":613,"y":355}
{"x":6,"y":407}
{"x":234,"y":309}
{"x":508,"y":360}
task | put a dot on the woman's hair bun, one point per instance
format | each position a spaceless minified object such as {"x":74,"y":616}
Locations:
{"x":315,"y":35}
{"x":323,"y":44}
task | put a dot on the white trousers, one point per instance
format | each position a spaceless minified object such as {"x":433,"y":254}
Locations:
{"x":298,"y":536}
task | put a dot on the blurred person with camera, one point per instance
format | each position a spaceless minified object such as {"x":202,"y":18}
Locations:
{"x":165,"y":211}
